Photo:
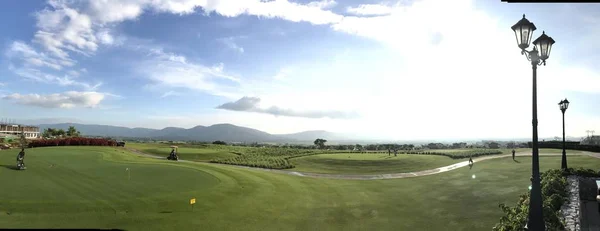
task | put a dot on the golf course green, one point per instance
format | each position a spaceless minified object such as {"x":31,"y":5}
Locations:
{"x":187,"y":153}
{"x":369,"y":163}
{"x":90,"y":187}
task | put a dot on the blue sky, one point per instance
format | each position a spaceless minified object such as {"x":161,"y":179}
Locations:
{"x":431,"y":69}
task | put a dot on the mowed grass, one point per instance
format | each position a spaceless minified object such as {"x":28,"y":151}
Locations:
{"x":88,"y":188}
{"x":368,"y":163}
{"x":196,"y":153}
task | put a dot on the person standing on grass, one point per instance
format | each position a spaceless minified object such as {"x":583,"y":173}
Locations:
{"x":470,"y":161}
{"x":513,"y":154}
{"x":21,"y":157}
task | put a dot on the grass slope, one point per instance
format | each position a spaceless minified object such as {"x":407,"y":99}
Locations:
{"x":88,"y":188}
{"x":368,"y":163}
{"x":193,"y":153}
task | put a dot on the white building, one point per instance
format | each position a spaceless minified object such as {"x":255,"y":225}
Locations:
{"x":31,"y":132}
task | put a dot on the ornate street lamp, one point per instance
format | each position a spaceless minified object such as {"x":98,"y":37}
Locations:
{"x":524,"y":32}
{"x":564,"y":104}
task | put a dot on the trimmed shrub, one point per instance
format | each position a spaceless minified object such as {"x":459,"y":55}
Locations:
{"x":554,"y":193}
{"x":72,"y":141}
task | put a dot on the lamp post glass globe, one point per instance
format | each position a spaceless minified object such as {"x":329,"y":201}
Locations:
{"x":523,"y":31}
{"x":544,"y":45}
{"x":564,"y":104}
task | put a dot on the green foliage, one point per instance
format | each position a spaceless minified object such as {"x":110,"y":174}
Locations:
{"x":554,"y":193}
{"x":320,"y":143}
{"x":266,"y":157}
{"x":218,"y":142}
{"x":457,"y":155}
{"x":72,"y":132}
{"x":23,"y":140}
{"x":54,"y":132}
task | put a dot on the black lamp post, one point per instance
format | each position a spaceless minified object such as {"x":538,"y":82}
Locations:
{"x":564,"y":104}
{"x":524,"y":31}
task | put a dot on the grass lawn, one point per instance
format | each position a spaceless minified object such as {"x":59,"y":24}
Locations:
{"x":87,"y":187}
{"x":187,"y":153}
{"x":368,"y":163}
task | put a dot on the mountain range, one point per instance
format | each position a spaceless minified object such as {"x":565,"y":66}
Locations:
{"x":233,"y":133}
{"x":224,"y":132}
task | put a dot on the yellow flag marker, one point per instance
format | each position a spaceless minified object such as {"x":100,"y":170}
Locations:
{"x":192,"y":202}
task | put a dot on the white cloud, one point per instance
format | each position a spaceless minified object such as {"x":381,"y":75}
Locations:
{"x":170,"y":93}
{"x":252,"y":104}
{"x":2,"y":84}
{"x":171,"y":70}
{"x":73,"y":73}
{"x":39,"y":76}
{"x":282,"y":74}
{"x":68,"y":99}
{"x":105,"y":37}
{"x":231,"y":44}
{"x":323,"y":4}
{"x":370,"y":9}
{"x":30,"y":57}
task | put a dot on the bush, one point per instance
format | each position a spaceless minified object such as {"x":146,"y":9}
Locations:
{"x":457,"y":155}
{"x":554,"y":193}
{"x":72,"y":141}
{"x":220,"y":142}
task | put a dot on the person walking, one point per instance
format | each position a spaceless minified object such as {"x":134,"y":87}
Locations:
{"x":513,"y":154}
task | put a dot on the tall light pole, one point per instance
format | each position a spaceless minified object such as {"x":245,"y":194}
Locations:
{"x":524,"y":31}
{"x":564,"y":104}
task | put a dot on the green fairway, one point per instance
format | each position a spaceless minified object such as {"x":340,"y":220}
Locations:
{"x":87,"y":187}
{"x":368,"y":163}
{"x":196,"y":153}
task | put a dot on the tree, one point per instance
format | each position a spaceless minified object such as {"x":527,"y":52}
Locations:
{"x":22,"y":139}
{"x":72,"y":132}
{"x":320,"y":143}
{"x":48,"y":132}
{"x":358,"y":147}
{"x":52,"y":132}
{"x":219,"y":142}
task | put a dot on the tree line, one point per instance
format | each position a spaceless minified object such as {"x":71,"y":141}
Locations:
{"x":59,"y":133}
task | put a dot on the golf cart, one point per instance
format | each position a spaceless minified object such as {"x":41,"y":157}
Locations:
{"x":173,"y":155}
{"x":20,"y":160}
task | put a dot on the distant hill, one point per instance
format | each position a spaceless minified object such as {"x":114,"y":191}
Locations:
{"x":224,"y":132}
{"x":312,"y":135}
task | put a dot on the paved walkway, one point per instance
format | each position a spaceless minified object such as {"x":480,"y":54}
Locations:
{"x":380,"y":176}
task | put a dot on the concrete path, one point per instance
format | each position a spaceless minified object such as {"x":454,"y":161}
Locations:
{"x":380,"y":176}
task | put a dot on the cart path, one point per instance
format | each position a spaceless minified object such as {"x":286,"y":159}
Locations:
{"x":377,"y":176}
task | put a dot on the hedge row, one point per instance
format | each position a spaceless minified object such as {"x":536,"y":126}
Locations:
{"x":72,"y":141}
{"x":453,"y":155}
{"x":257,"y":161}
{"x":554,"y":193}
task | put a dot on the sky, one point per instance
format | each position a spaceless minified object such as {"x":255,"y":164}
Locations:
{"x":404,"y":70}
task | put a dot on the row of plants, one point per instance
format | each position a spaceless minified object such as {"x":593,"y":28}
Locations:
{"x":458,"y":155}
{"x":268,"y":157}
{"x":277,"y":158}
{"x":72,"y":141}
{"x":554,"y":193}
{"x":257,"y":161}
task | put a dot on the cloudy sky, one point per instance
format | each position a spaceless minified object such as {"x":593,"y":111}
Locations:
{"x":433,"y":69}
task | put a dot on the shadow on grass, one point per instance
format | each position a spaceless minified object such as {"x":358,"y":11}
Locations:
{"x":11,"y":167}
{"x":517,"y":161}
